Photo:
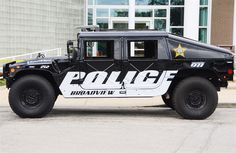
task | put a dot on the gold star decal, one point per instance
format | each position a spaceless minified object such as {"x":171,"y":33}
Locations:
{"x":179,"y":51}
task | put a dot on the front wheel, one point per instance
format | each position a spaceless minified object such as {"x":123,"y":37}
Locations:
{"x":195,"y":98}
{"x":32,"y":96}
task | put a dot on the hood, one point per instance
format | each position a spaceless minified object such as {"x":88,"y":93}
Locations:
{"x":37,"y":61}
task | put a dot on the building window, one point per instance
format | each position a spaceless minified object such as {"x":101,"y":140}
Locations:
{"x":160,"y":24}
{"x":90,"y":16}
{"x":177,"y":31}
{"x":120,"y":26}
{"x":203,"y":2}
{"x":177,"y":16}
{"x":119,"y":12}
{"x":90,"y":2}
{"x":160,"y":13}
{"x":203,"y":16}
{"x":203,"y":35}
{"x":203,"y":21}
{"x":102,"y":13}
{"x":152,"y":2}
{"x":143,"y":13}
{"x":177,"y":2}
{"x":112,"y":2}
{"x":103,"y":23}
{"x":160,"y":17}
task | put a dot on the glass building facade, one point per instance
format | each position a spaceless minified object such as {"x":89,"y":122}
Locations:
{"x":162,"y":15}
{"x":27,"y":26}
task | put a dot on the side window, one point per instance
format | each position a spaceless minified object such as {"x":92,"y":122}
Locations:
{"x":142,"y":48}
{"x":99,"y":48}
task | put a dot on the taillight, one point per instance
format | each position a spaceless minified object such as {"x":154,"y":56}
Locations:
{"x":230,"y":71}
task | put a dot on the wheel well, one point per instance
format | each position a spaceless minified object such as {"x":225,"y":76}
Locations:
{"x":183,"y":74}
{"x":47,"y":75}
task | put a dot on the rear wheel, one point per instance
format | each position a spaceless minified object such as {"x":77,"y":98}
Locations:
{"x":195,"y":98}
{"x":32,"y":96}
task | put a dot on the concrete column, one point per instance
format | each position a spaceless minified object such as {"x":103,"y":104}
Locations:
{"x":131,"y":14}
{"x":191,"y":19}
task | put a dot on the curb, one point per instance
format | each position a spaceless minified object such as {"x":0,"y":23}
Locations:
{"x":220,"y":105}
{"x":226,"y":105}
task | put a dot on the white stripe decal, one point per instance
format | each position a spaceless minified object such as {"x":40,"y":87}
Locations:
{"x":101,"y":84}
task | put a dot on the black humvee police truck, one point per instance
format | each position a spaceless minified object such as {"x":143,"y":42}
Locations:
{"x":187,"y":74}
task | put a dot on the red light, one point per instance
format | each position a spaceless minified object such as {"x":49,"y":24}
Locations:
{"x":230,"y":71}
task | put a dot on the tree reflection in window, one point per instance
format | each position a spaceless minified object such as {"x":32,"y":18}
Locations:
{"x":152,"y":2}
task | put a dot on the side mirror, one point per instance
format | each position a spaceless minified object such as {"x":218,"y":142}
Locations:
{"x":70,"y":47}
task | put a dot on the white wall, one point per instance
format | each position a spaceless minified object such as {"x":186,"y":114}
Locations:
{"x":131,"y":14}
{"x":27,"y":26}
{"x":191,"y":19}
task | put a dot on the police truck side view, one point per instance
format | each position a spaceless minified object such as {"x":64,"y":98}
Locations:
{"x":107,"y":64}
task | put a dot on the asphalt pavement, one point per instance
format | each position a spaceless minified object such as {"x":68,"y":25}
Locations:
{"x":119,"y":126}
{"x":117,"y":130}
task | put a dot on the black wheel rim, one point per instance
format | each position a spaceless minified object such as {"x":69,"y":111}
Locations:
{"x":195,"y":99}
{"x":30,"y":98}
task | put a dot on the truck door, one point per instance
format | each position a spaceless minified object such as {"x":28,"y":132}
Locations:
{"x":101,"y":64}
{"x":145,"y":71}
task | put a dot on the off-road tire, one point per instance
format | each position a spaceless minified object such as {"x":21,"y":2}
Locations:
{"x":195,"y":98}
{"x":32,"y":96}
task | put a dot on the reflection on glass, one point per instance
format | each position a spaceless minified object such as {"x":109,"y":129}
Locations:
{"x":90,"y":2}
{"x":103,"y":23}
{"x":138,"y":49}
{"x":151,"y":2}
{"x":160,"y":13}
{"x":120,"y":26}
{"x":102,"y":49}
{"x":203,"y":35}
{"x":99,"y":49}
{"x":177,"y":2}
{"x":203,"y":16}
{"x":102,"y":13}
{"x":203,"y":2}
{"x":160,"y":24}
{"x":112,"y":2}
{"x":119,"y":13}
{"x":177,"y":16}
{"x":141,"y":26}
{"x":143,"y":13}
{"x":142,"y":49}
{"x":177,"y":31}
{"x":90,"y":16}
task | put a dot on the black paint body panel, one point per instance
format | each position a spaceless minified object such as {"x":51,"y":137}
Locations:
{"x":217,"y":61}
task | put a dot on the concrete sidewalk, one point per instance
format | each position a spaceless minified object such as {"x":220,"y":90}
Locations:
{"x":227,"y":97}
